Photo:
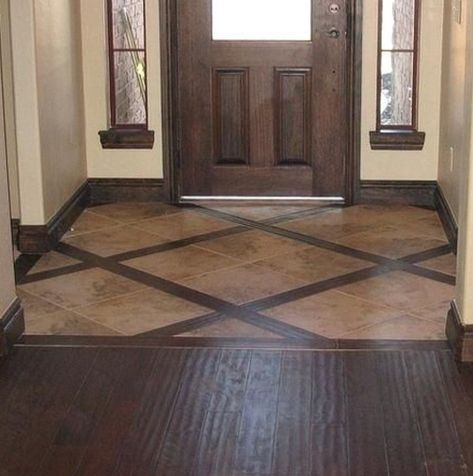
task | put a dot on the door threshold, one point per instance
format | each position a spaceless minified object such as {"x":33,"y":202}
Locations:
{"x":226,"y":198}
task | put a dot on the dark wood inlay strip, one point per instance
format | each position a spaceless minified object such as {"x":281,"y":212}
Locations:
{"x":54,"y":273}
{"x":189,"y":294}
{"x":428,"y":254}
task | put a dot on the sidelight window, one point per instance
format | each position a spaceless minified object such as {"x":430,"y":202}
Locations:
{"x":128,"y":75}
{"x":246,"y":20}
{"x":397,"y":91}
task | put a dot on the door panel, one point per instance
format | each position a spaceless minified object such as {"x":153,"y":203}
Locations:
{"x":262,"y":118}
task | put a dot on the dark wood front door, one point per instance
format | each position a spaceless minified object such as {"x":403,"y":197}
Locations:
{"x":258,"y":117}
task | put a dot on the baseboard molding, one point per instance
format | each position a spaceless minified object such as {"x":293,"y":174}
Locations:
{"x":459,"y":335}
{"x":12,"y":327}
{"x":15,"y":228}
{"x":447,"y":218}
{"x":37,"y":239}
{"x":419,"y":193}
{"x":105,"y":190}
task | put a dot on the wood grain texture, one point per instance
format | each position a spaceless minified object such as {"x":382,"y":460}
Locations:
{"x":277,"y":112}
{"x":293,"y":99}
{"x":143,"y":412}
{"x":231,"y":125}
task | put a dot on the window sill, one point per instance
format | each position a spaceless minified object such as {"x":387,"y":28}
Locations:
{"x":127,"y":139}
{"x":397,"y":140}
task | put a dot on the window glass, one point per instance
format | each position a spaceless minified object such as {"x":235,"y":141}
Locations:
{"x":262,"y":20}
{"x":127,"y":34}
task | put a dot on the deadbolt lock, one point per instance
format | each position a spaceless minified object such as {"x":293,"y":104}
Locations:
{"x":334,"y":8}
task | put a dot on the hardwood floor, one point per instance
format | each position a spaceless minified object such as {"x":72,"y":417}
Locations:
{"x":171,"y":412}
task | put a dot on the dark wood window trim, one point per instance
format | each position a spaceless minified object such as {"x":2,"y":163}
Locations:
{"x":125,"y":136}
{"x":405,"y":136}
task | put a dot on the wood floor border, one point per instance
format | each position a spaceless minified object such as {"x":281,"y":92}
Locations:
{"x":249,"y":312}
{"x":234,"y":343}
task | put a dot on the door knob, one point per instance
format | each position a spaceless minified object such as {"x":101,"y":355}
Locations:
{"x":333,"y":33}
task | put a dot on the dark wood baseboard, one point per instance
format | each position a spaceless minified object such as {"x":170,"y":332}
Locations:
{"x":419,"y":193}
{"x":36,"y":239}
{"x":15,"y":228}
{"x":447,"y":218}
{"x":12,"y":327}
{"x":459,"y":335}
{"x":110,"y":190}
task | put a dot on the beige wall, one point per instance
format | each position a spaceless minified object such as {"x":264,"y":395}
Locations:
{"x":26,"y":112}
{"x":9,"y":106}
{"x":60,"y":100}
{"x":7,"y":280}
{"x":117,"y":163}
{"x":464,"y":55}
{"x":375,"y":164}
{"x":455,"y":107}
{"x":49,"y":112}
{"x":402,"y":165}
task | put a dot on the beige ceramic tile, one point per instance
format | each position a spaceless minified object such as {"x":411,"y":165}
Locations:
{"x":35,"y":307}
{"x":401,"y":328}
{"x":390,"y":241}
{"x":183,"y":225}
{"x":52,"y":260}
{"x":258,"y":212}
{"x":426,"y":226}
{"x":314,"y":264}
{"x":90,"y":221}
{"x":82,"y":288}
{"x":401,"y":290}
{"x":445,"y":264}
{"x":331,"y":225}
{"x":142,"y":312}
{"x":331,"y":314}
{"x":252,"y":245}
{"x":127,"y":212}
{"x":357,"y":219}
{"x":182,"y":263}
{"x":115,"y":240}
{"x":243,"y":283}
{"x":435,"y":312}
{"x":231,"y":328}
{"x":66,"y":323}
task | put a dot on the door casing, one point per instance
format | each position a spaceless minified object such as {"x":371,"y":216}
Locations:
{"x":169,"y":95}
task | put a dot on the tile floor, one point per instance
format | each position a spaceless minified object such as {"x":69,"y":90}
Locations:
{"x":252,"y":272}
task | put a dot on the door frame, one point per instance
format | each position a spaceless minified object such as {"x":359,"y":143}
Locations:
{"x":169,"y":98}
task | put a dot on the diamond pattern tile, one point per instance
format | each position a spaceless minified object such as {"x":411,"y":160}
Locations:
{"x":247,"y":265}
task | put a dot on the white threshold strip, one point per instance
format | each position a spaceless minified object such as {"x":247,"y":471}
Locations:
{"x":262,"y":199}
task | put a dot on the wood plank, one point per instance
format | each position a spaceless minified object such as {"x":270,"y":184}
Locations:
{"x":40,"y":400}
{"x":231,"y":380}
{"x":103,"y":448}
{"x":459,"y":385}
{"x":403,"y":440}
{"x":181,"y":443}
{"x":217,"y":444}
{"x":366,"y":436}
{"x":441,"y":445}
{"x":220,"y":432}
{"x":143,"y":443}
{"x":83,"y":418}
{"x":254,"y":451}
{"x":292,"y":441}
{"x":329,"y":416}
